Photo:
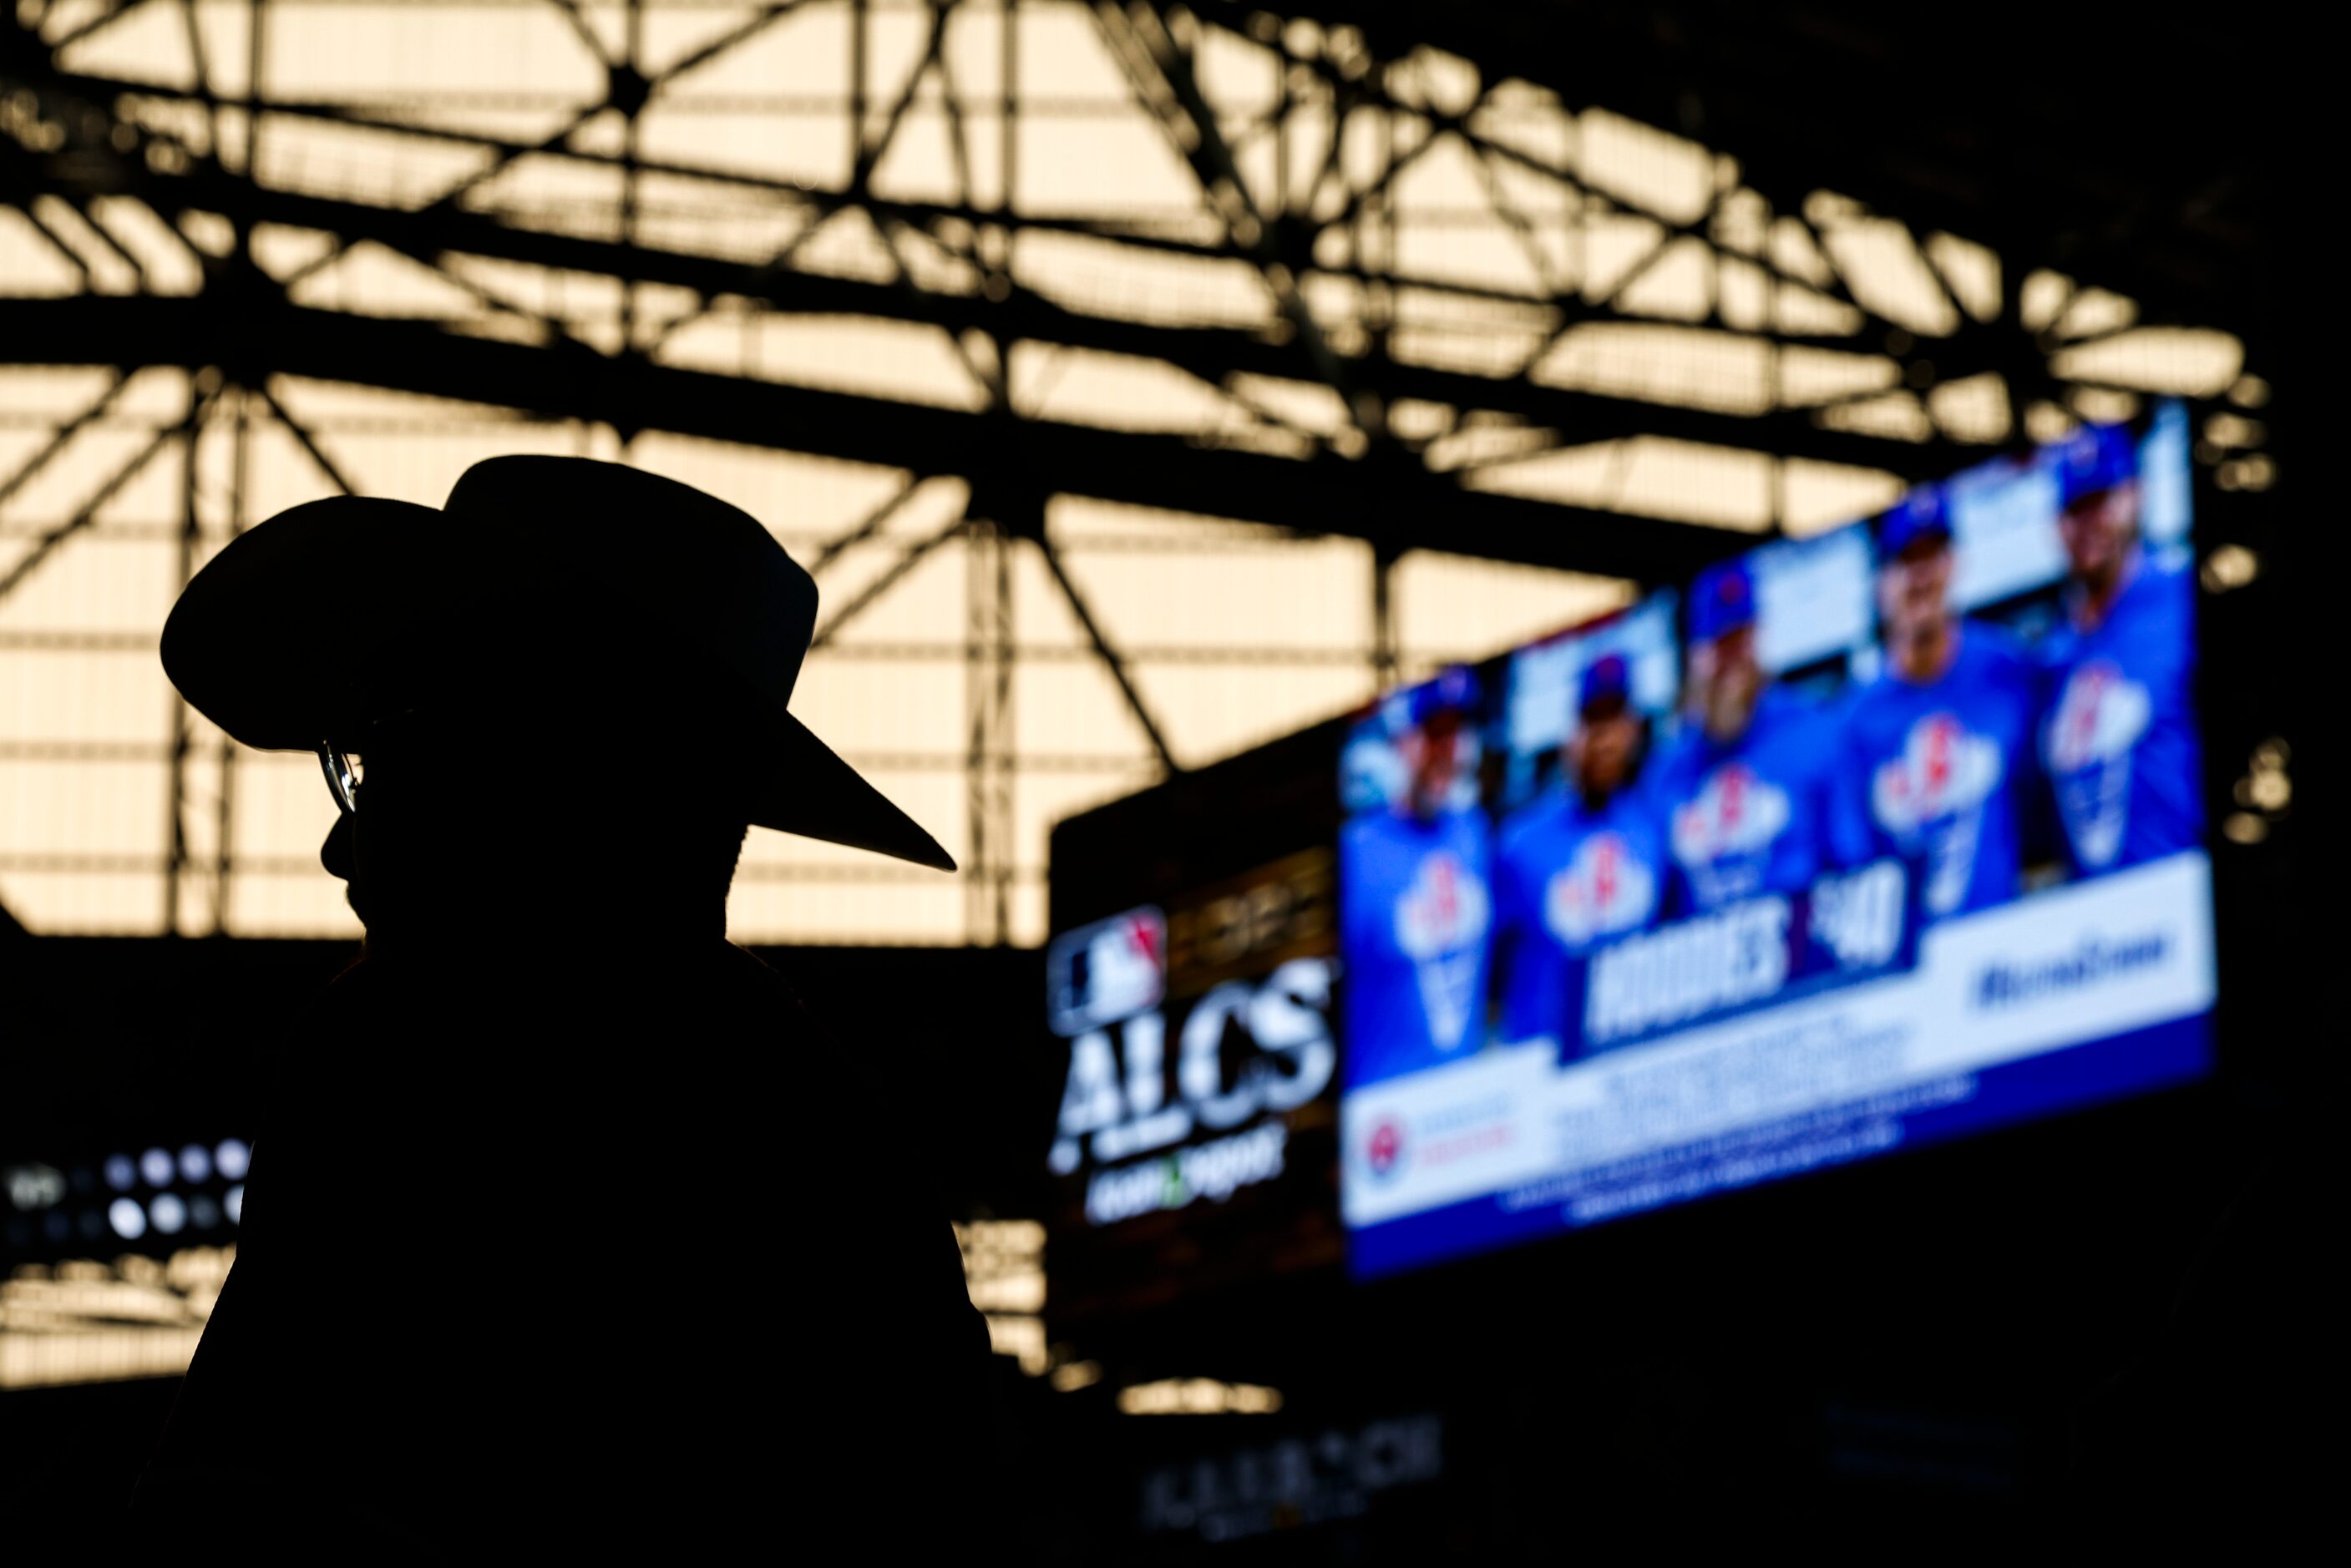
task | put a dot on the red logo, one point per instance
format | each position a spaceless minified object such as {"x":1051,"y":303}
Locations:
{"x":1384,"y":1148}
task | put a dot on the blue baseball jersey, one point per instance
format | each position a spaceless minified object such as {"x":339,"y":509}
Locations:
{"x":2119,"y":738}
{"x":1415,"y":913}
{"x":1567,"y":881}
{"x":1748,"y":817}
{"x":1936,"y":771}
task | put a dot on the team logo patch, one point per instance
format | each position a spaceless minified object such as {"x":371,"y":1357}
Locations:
{"x":1440,"y":926}
{"x":1935,"y":791}
{"x":1604,"y":889}
{"x":1723,"y":834}
{"x":1944,"y":770}
{"x":2099,"y":718}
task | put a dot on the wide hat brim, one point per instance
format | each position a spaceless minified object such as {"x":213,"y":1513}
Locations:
{"x":264,"y":640}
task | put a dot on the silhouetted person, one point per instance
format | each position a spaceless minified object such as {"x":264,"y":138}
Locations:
{"x":567,"y":1229}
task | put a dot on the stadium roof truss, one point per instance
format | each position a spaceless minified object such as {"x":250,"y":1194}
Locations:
{"x":1221,"y":348}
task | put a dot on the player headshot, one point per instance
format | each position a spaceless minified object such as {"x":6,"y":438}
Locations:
{"x":1578,"y":866}
{"x":2119,"y":739}
{"x":1744,"y":795}
{"x":1932,"y":749}
{"x":1414,"y":907}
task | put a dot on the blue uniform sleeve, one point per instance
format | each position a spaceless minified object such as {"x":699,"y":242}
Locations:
{"x":1848,"y":838}
{"x":1823,"y":737}
{"x":1359,"y":895}
{"x":1510,"y":913}
{"x":2039,"y":825}
{"x":1661,"y":785}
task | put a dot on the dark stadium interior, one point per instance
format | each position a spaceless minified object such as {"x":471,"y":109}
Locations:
{"x":2094,"y":1329}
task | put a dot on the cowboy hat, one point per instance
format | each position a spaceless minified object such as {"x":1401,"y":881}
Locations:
{"x":591,"y":549}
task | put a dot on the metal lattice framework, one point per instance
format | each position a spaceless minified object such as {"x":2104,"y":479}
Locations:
{"x":1061,"y":281}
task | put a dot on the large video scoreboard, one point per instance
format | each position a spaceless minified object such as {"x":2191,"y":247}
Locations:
{"x":1848,"y":845}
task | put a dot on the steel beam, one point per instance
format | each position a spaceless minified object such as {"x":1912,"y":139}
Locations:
{"x":1382,"y":498}
{"x":1209,"y":353}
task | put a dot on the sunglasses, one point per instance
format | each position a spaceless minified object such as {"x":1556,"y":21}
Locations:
{"x":342,"y":780}
{"x":342,"y":777}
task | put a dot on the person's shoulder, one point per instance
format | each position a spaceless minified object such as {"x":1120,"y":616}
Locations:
{"x":1675,"y":752}
{"x":1866,"y":696}
{"x":1989,"y":642}
{"x":1367,"y":828}
{"x":1640,"y":812}
{"x":1784,"y":714}
{"x":1992,"y":654}
{"x":2059,"y":646}
{"x":2166,"y":586}
{"x":1811,"y":704}
{"x":1470,"y":825}
{"x":1531,"y":820}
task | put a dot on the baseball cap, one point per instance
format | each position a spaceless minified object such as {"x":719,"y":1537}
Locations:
{"x":1604,"y":678}
{"x":1721,"y":600}
{"x":1454,"y":690}
{"x":2094,"y":459}
{"x":1917,"y":515}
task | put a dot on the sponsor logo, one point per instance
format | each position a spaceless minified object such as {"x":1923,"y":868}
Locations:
{"x":2009,"y":985}
{"x":1440,"y":925}
{"x":1212,"y":1170}
{"x":1384,"y":1149}
{"x":1308,"y":1479}
{"x":1604,"y":889}
{"x":2099,"y":718}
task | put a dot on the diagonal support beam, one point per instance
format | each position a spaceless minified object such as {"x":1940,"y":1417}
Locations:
{"x":766,"y":17}
{"x":46,"y":545}
{"x":872,"y":523}
{"x":40,"y":460}
{"x":863,"y":598}
{"x":302,"y":434}
{"x":1106,"y":651}
{"x":1162,"y":75}
{"x":577,"y":20}
{"x":111,"y":12}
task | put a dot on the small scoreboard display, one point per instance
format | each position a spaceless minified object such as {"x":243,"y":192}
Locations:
{"x":1189,"y":995}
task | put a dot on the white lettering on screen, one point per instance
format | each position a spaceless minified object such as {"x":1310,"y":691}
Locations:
{"x":1115,"y":1103}
{"x":1719,"y":961}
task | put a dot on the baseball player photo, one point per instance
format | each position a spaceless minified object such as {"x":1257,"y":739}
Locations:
{"x":1744,"y":793}
{"x":2118,"y":741}
{"x":1932,"y":749}
{"x":1581,"y":863}
{"x":1415,"y":909}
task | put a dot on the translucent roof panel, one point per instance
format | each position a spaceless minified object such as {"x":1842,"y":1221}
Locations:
{"x":1063,"y":342}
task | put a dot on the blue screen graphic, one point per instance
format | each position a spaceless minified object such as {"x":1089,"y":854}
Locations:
{"x":1853,"y":843}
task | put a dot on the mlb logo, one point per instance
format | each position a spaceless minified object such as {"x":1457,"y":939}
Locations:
{"x":1107,"y":972}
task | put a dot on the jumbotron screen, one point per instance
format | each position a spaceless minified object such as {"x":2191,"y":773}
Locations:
{"x":1853,"y":843}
